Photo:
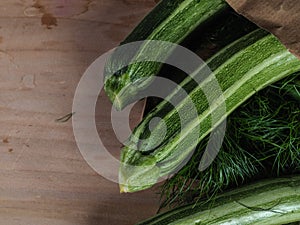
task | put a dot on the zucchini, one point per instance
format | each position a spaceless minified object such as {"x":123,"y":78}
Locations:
{"x":262,"y":140}
{"x":142,"y":135}
{"x":244,"y":73}
{"x":268,"y":202}
{"x":171,"y":21}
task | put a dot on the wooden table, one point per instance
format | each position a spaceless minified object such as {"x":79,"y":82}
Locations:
{"x":45,"y":46}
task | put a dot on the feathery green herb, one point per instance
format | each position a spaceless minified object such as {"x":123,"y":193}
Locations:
{"x":262,"y":140}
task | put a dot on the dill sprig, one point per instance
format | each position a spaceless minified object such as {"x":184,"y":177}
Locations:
{"x":262,"y":140}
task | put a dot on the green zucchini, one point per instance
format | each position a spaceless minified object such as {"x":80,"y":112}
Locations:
{"x":268,"y":202}
{"x":244,"y":73}
{"x":146,"y":142}
{"x":171,"y":21}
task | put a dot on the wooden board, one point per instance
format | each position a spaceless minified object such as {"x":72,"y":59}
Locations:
{"x":45,"y":46}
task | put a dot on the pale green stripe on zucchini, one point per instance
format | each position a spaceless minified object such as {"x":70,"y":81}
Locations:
{"x":178,"y":19}
{"x":269,"y":202}
{"x":240,"y":76}
{"x":234,"y":97}
{"x":142,"y":132}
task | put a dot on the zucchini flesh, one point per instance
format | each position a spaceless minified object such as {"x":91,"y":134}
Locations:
{"x":268,"y":202}
{"x":240,"y":76}
{"x":171,"y":21}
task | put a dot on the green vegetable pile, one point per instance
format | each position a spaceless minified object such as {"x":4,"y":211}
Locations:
{"x":262,"y":140}
{"x":260,"y":82}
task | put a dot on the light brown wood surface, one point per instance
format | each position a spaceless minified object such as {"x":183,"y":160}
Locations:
{"x":45,"y":46}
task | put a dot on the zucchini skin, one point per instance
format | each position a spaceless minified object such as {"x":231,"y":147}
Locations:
{"x":243,"y":74}
{"x":141,"y":132}
{"x":267,"y":202}
{"x":171,"y":21}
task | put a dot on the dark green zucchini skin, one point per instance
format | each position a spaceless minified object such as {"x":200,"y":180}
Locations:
{"x":170,"y":21}
{"x":142,"y":132}
{"x":152,"y":20}
{"x":249,"y":70}
{"x":267,"y":202}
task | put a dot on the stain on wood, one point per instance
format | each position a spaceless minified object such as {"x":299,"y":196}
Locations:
{"x":86,"y":6}
{"x":38,"y":6}
{"x":66,"y":8}
{"x":28,"y":82}
{"x":49,"y":20}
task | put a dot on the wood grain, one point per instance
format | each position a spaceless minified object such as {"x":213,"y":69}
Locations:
{"x":45,"y":46}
